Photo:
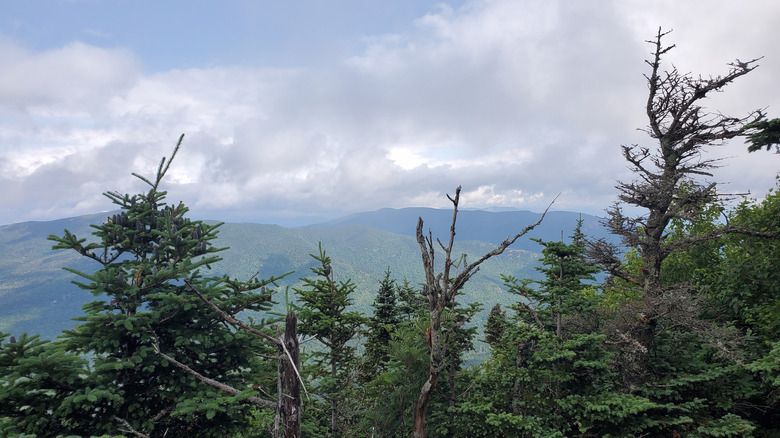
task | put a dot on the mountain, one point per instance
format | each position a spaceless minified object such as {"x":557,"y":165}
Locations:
{"x":37,"y":296}
{"x":479,"y":225}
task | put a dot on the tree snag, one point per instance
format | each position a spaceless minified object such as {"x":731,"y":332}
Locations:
{"x":668,"y":186}
{"x":440,"y":290}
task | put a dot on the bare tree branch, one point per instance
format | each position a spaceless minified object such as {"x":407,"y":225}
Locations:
{"x":440,"y":290}
{"x":129,"y":428}
{"x":231,"y":319}
{"x":216,"y":384}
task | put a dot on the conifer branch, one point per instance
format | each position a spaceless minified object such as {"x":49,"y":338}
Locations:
{"x":162,"y":171}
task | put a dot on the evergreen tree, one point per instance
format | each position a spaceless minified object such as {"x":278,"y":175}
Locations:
{"x":541,"y":381}
{"x":459,"y":339}
{"x":393,"y":393}
{"x":561,"y":294}
{"x":411,"y":303}
{"x":381,"y":326}
{"x":495,"y":326}
{"x":149,"y":258}
{"x":323,"y":314}
{"x":763,"y":134}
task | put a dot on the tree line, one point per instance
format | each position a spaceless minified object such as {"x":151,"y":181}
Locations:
{"x":678,"y":337}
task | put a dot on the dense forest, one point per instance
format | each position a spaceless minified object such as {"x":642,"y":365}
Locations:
{"x":673,"y":331}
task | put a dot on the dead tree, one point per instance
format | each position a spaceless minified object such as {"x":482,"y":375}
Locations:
{"x":440,"y":289}
{"x":667,"y":182}
{"x":289,"y":366}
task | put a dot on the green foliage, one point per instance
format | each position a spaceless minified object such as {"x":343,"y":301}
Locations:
{"x":386,"y":317}
{"x":767,"y":368}
{"x":495,"y":325}
{"x":321,"y":309}
{"x":482,"y":420}
{"x":391,"y":396}
{"x":706,"y":378}
{"x":43,"y":389}
{"x":537,"y":385}
{"x":542,"y":380}
{"x":149,"y":257}
{"x":322,"y":313}
{"x":746,"y":280}
{"x":563,"y":293}
{"x":690,"y":265}
{"x":744,"y":286}
{"x":763,"y":134}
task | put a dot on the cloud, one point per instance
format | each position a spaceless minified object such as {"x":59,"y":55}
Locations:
{"x":63,"y":82}
{"x":515,"y":101}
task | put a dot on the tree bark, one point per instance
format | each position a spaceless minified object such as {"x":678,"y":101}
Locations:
{"x":422,"y":403}
{"x":291,"y":404}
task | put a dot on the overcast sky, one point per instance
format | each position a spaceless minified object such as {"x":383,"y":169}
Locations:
{"x":325,"y":108}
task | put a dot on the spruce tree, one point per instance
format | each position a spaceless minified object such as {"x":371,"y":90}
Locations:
{"x":561,"y":291}
{"x":149,"y":257}
{"x":381,"y":326}
{"x":322,"y":312}
{"x":495,"y":326}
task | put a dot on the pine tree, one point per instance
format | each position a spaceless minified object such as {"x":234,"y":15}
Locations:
{"x":411,"y":303}
{"x":322,"y":311}
{"x":495,"y":326}
{"x":561,"y":291}
{"x":381,"y":326}
{"x":150,"y":259}
{"x":542,"y":380}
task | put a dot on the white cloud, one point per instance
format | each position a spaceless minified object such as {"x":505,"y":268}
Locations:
{"x":516,"y":101}
{"x":66,"y":82}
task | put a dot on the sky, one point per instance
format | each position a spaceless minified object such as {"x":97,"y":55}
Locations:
{"x":302,"y":110}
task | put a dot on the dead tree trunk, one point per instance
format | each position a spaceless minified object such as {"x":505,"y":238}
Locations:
{"x":440,"y":290}
{"x":291,"y":399}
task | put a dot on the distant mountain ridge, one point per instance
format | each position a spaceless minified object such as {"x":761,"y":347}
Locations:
{"x":479,"y":225}
{"x":37,"y":296}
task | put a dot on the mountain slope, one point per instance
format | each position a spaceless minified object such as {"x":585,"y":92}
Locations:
{"x":37,"y":296}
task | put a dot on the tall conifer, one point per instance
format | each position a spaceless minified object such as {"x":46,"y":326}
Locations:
{"x":148,"y":256}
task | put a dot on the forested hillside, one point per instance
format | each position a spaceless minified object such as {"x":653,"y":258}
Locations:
{"x":37,"y":296}
{"x":668,"y":328}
